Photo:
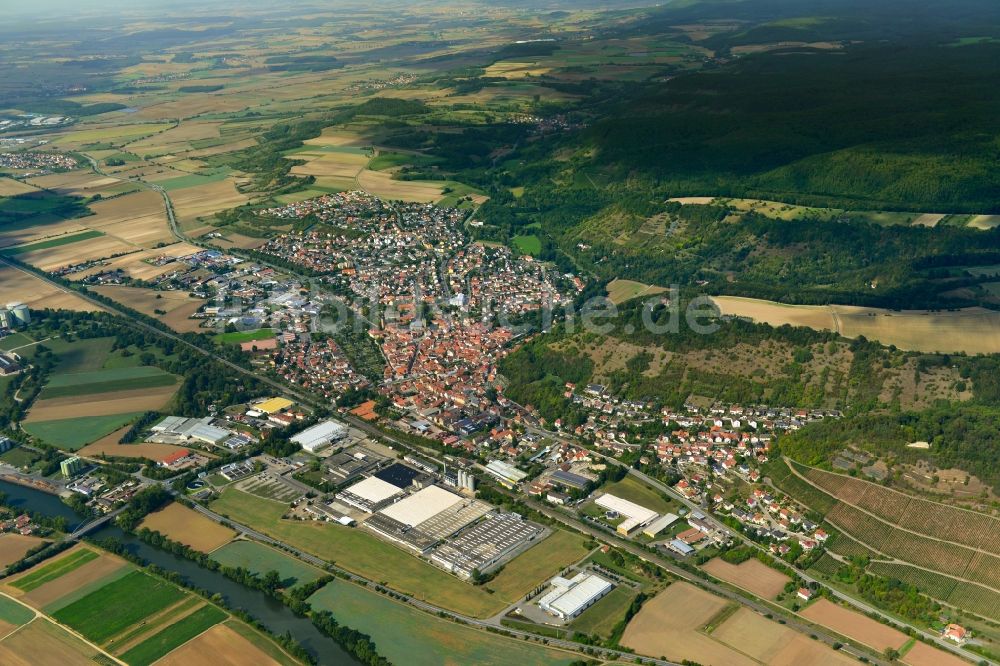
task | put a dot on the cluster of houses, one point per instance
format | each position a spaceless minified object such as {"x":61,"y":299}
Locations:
{"x":34,"y":160}
{"x":22,"y":525}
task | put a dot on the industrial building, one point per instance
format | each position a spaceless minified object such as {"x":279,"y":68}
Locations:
{"x":660,"y":524}
{"x":370,"y":494}
{"x":178,"y":430}
{"x":72,"y":466}
{"x":485,"y":544}
{"x":506,"y":474}
{"x":320,"y":436}
{"x":401,"y":522}
{"x":18,"y":315}
{"x":274,"y":405}
{"x":399,"y":475}
{"x":349,"y":465}
{"x":569,"y":480}
{"x":570,"y":597}
{"x":635,"y":515}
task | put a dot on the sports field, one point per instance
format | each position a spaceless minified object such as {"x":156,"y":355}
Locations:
{"x":407,"y":636}
{"x":245,"y":336}
{"x":360,"y":552}
{"x":260,"y":559}
{"x":189,"y":527}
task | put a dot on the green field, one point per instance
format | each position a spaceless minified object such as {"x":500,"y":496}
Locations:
{"x":174,"y":636}
{"x":54,"y":570}
{"x":601,"y":618}
{"x":103,"y":381}
{"x":360,"y":552}
{"x":193,"y":180}
{"x":536,"y":565}
{"x":118,"y":605}
{"x":528,"y":244}
{"x":407,"y":636}
{"x":260,"y":559}
{"x":14,"y":613}
{"x":80,"y":355}
{"x":245,"y":336}
{"x":20,"y":457}
{"x":636,"y":491}
{"x":55,"y":242}
{"x":72,"y":434}
{"x":13,"y":341}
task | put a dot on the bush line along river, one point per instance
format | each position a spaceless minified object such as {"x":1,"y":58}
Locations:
{"x":269,"y":612}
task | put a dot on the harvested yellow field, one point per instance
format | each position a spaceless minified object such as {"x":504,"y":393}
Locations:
{"x":219,"y":646}
{"x":177,"y":305}
{"x":103,"y":404}
{"x":9,"y":238}
{"x":516,"y":70}
{"x":43,"y":643}
{"x":10,"y":187}
{"x":701,"y":201}
{"x":343,"y":165}
{"x":189,"y":527}
{"x":222,"y":148}
{"x":985,"y":222}
{"x":752,"y":575}
{"x":79,"y":183}
{"x":189,"y":106}
{"x":15,"y":546}
{"x":774,"y":644}
{"x":620,"y":291}
{"x":670,"y":625}
{"x":970,"y":330}
{"x":139,"y":218}
{"x":381,"y":184}
{"x":333,"y":137}
{"x":17,"y":285}
{"x":191,"y":203}
{"x":181,"y":134}
{"x":52,"y":258}
{"x":116,"y":134}
{"x":928,"y":219}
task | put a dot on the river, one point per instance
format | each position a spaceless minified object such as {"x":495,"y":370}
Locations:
{"x":271,"y":613}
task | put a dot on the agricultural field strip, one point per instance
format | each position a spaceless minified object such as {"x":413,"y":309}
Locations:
{"x":135,"y":635}
{"x":968,"y":528}
{"x":54,"y":570}
{"x":941,"y":556}
{"x":177,"y":633}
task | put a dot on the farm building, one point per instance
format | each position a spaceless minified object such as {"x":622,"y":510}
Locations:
{"x":320,"y":435}
{"x":369,"y":495}
{"x":570,"y":597}
{"x":635,"y":515}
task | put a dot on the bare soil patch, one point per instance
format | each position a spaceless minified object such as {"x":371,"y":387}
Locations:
{"x":43,"y":643}
{"x":752,"y":575}
{"x":669,"y":623}
{"x":189,"y":527}
{"x":219,"y":646}
{"x":14,"y":546}
{"x":109,"y":446}
{"x":17,"y":285}
{"x":774,"y":644}
{"x":922,"y":654}
{"x":381,"y":184}
{"x":191,"y":203}
{"x":178,"y":305}
{"x":854,"y":625}
{"x":104,"y":404}
{"x":95,"y":570}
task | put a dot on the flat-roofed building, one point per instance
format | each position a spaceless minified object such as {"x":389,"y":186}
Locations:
{"x":274,"y":405}
{"x":570,"y":597}
{"x":569,"y":480}
{"x":635,"y":515}
{"x":485,"y":544}
{"x":505,"y":473}
{"x":421,"y":505}
{"x":370,"y":494}
{"x":660,"y":524}
{"x":320,"y":436}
